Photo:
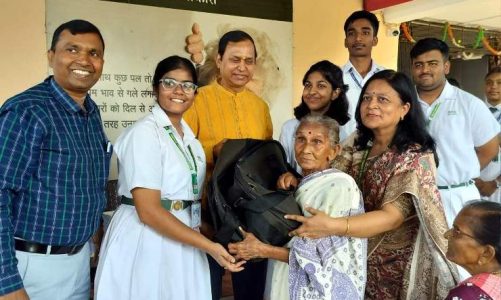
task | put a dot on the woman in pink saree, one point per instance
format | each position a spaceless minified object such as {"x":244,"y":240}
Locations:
{"x":475,"y":244}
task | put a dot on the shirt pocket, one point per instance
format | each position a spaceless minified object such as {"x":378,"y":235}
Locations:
{"x":55,"y":158}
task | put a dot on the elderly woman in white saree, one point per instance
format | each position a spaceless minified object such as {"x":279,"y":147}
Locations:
{"x":332,"y":267}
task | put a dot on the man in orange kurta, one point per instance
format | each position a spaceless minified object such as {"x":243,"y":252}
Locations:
{"x":226,"y":109}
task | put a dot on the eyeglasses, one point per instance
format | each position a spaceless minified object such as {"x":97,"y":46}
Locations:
{"x":455,"y":233}
{"x":171,"y":84}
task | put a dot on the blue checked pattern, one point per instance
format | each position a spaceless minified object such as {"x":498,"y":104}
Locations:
{"x":53,"y":170}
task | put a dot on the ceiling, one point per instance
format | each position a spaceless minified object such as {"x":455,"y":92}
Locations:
{"x":467,"y":13}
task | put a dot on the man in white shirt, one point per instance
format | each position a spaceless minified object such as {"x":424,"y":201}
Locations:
{"x":489,"y":182}
{"x":464,"y":129}
{"x":360,"y":30}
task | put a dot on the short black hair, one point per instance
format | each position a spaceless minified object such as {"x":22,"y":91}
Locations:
{"x":493,"y":71}
{"x":171,"y":63}
{"x":234,"y":36}
{"x":75,"y":27}
{"x":338,"y":109}
{"x":362,"y":14}
{"x":487,"y":226}
{"x":412,"y":129}
{"x":429,"y":44}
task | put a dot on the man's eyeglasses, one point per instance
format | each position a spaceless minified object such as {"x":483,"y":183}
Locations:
{"x":171,"y":84}
{"x":455,"y":233}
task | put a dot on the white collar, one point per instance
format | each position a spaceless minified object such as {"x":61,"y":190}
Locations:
{"x":162,"y":120}
{"x":447,"y":93}
{"x":348,"y":67}
{"x":498,"y":106}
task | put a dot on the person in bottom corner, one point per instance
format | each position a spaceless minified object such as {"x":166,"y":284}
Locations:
{"x":475,"y":244}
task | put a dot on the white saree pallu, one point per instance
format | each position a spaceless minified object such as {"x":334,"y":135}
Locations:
{"x":333,"y":267}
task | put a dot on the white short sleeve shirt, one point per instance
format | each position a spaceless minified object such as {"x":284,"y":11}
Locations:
{"x":493,"y":169}
{"x":148,"y":158}
{"x":461,"y":123}
{"x":355,"y":82}
{"x":287,"y":140}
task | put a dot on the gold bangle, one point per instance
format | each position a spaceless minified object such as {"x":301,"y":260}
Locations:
{"x":347,"y":226}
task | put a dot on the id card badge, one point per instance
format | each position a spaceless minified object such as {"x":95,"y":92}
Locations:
{"x":196,"y":214}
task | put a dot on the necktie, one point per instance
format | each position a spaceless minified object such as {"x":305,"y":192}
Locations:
{"x":494,"y":111}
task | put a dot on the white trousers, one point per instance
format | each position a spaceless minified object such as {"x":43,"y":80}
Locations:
{"x":56,"y":277}
{"x":454,"y":199}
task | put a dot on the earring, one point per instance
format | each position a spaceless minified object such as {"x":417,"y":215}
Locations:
{"x":401,"y":118}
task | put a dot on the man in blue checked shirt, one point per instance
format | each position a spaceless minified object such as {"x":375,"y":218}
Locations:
{"x":54,"y":163}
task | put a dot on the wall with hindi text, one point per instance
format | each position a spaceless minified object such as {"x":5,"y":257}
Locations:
{"x":317,"y":33}
{"x":137,"y":37}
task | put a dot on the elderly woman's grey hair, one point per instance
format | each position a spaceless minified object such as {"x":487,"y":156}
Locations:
{"x":328,"y":123}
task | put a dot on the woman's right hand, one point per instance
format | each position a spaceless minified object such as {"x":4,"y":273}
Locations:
{"x":224,"y":259}
{"x":318,"y":225}
{"x":287,"y":181}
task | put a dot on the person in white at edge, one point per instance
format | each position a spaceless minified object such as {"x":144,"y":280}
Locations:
{"x":360,"y":30}
{"x":489,"y":183}
{"x":153,"y":248}
{"x":463,"y":128}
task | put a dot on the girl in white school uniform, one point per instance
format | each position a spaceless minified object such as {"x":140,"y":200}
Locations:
{"x":153,"y":248}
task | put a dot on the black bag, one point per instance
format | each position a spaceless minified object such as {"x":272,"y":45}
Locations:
{"x":242,"y":192}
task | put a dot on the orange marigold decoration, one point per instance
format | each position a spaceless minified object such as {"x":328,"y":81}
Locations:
{"x":451,"y":36}
{"x":405,"y":29}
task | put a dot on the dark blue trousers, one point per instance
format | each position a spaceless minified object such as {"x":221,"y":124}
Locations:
{"x":247,"y":285}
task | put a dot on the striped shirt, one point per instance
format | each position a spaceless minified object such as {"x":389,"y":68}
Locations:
{"x":54,"y":163}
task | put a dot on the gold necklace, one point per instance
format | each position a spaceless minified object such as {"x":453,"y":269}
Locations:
{"x":496,"y":273}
